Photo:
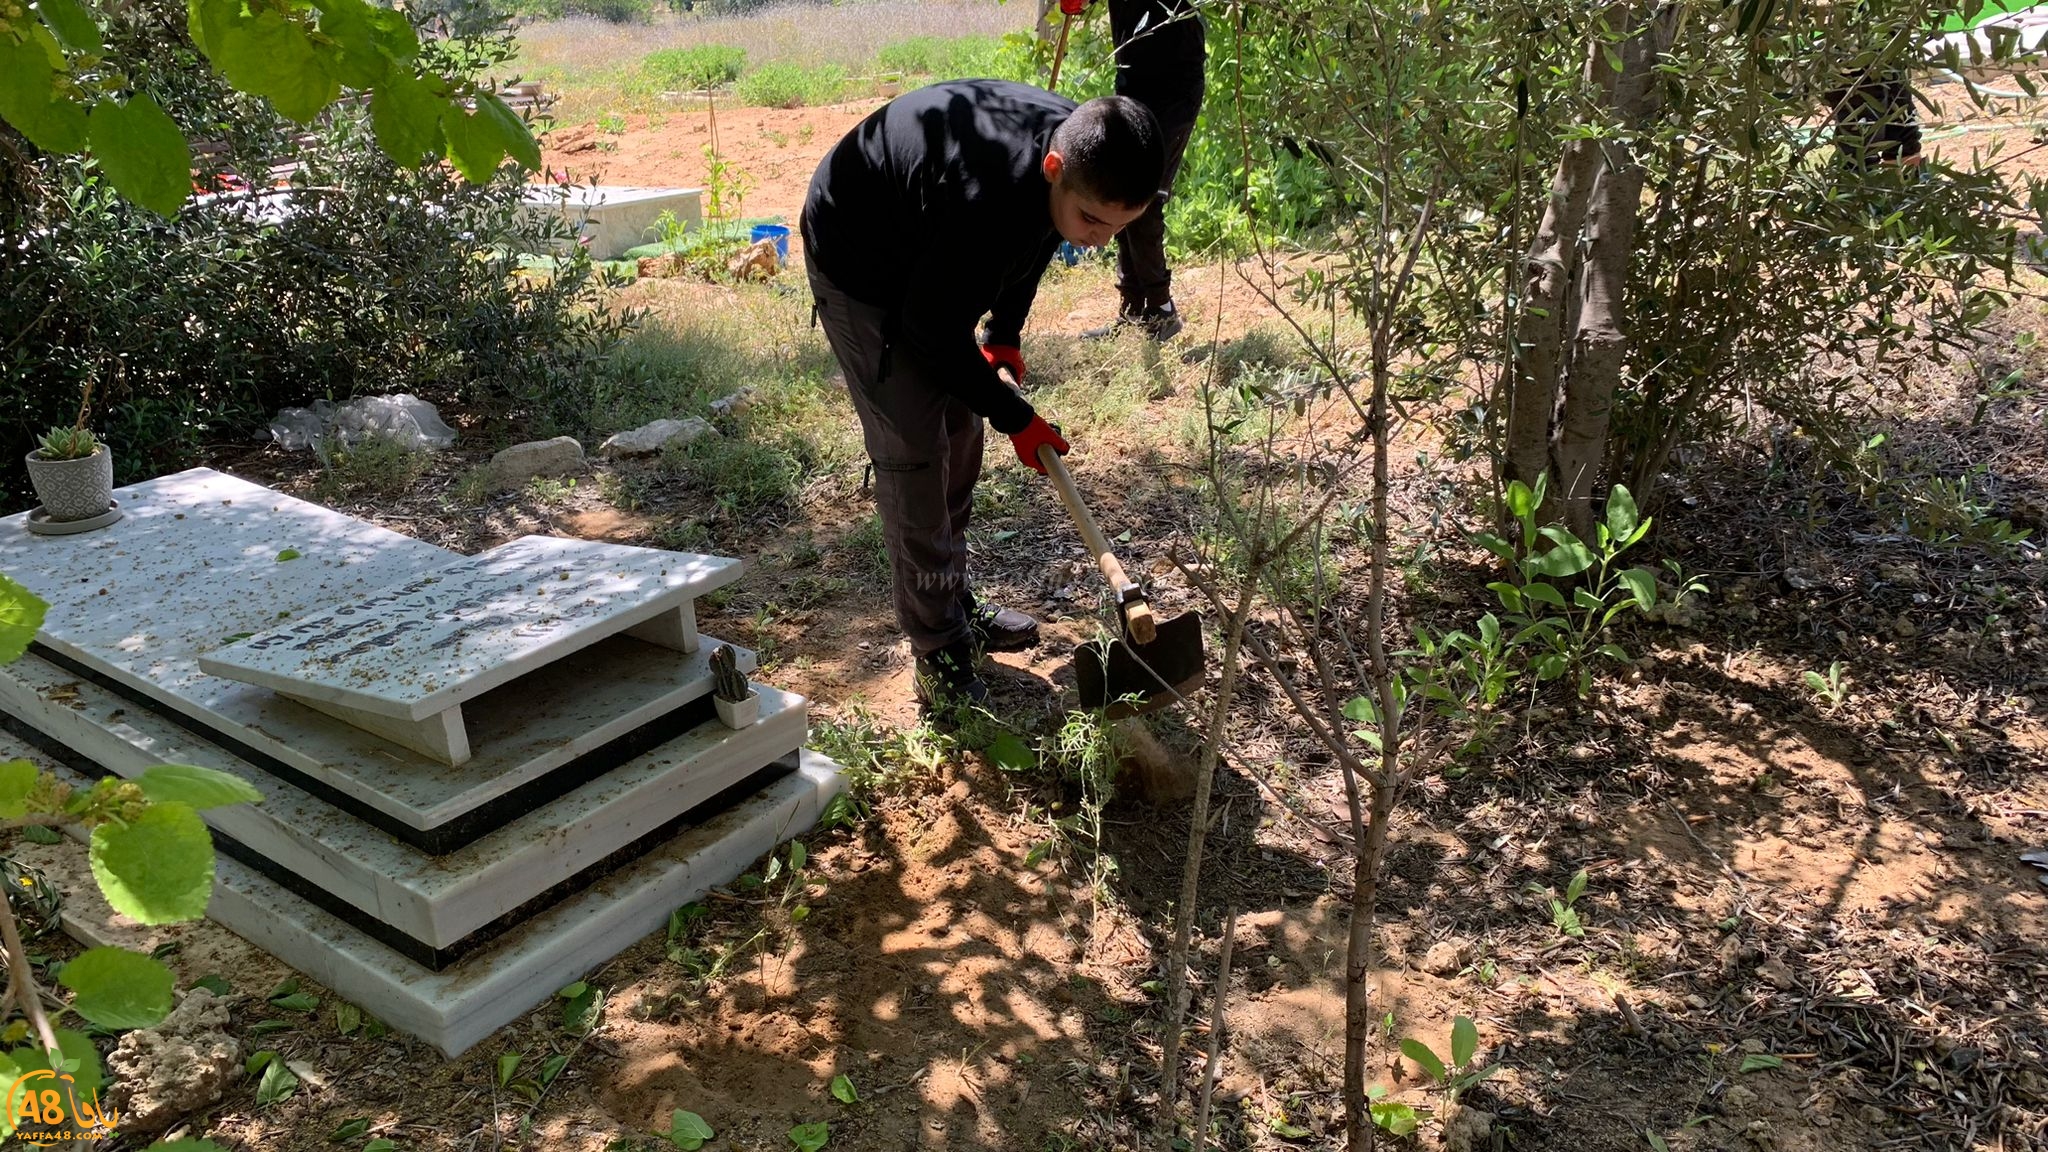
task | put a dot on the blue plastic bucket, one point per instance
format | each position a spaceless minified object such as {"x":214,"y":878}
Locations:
{"x":778,"y":233}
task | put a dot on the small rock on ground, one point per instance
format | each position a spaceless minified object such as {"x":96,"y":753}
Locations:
{"x":1774,"y":973}
{"x":1446,"y":957}
{"x":757,"y":262}
{"x":736,"y":404}
{"x":1468,"y":1130}
{"x":649,"y":439}
{"x":163,"y":1074}
{"x":522,"y":462}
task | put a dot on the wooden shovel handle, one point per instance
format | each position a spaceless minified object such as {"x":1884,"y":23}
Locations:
{"x":1059,"y":54}
{"x":1137,"y":613}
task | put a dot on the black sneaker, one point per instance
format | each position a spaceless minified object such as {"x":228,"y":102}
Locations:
{"x":1001,"y":629}
{"x":1161,"y":323}
{"x":946,"y":677}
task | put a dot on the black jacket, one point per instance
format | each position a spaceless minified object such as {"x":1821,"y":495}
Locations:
{"x":935,"y":208}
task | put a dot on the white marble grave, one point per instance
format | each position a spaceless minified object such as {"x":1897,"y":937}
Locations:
{"x":446,"y":892}
{"x":194,"y":568}
{"x":611,"y":218}
{"x":402,"y":661}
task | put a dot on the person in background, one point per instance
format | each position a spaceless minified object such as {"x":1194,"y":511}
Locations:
{"x":1160,"y":56}
{"x":944,"y":205}
{"x":1875,"y":121}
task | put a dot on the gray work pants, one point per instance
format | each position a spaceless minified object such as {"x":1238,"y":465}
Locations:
{"x":926,"y":447}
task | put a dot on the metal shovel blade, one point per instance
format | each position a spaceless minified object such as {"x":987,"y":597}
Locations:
{"x":1110,"y":673}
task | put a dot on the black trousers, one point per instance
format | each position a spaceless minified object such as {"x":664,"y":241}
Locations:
{"x":1160,"y":58}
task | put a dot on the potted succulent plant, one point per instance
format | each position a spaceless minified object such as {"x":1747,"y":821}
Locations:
{"x":737,"y":703}
{"x":73,"y":474}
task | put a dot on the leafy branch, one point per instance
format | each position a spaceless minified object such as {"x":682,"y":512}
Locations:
{"x":60,"y":91}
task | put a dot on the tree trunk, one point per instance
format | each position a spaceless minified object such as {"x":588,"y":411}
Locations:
{"x":1358,"y":1014}
{"x":1572,"y":334}
{"x":1539,"y":333}
{"x":1549,"y":271}
{"x":1600,"y":338}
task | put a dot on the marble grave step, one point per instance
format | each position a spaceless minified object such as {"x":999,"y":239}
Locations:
{"x":455,"y":1008}
{"x":430,"y":908}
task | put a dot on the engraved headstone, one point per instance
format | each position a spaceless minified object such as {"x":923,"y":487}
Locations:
{"x":402,"y":660}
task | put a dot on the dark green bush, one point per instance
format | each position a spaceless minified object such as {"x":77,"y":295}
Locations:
{"x":195,"y":330}
{"x":612,"y":11}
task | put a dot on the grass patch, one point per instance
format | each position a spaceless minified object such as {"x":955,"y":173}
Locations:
{"x":1089,"y":386}
{"x":865,"y":548}
{"x":943,"y":57}
{"x":782,"y":84}
{"x":748,"y":479}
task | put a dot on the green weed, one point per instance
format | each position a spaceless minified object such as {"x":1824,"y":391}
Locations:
{"x":550,"y":489}
{"x":866,"y":548}
{"x":1565,"y":634}
{"x":373,"y":466}
{"x":879,"y":758}
{"x":1830,"y":688}
{"x":1453,"y":1076}
{"x":697,"y":66}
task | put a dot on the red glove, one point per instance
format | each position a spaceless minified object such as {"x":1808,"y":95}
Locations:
{"x":1000,"y":356}
{"x":1034,"y":434}
{"x":1073,"y":7}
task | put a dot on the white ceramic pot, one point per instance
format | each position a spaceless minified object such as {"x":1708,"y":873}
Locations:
{"x":74,"y":489}
{"x":739,"y":713}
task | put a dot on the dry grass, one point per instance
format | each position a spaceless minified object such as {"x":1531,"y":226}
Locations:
{"x":581,"y":51}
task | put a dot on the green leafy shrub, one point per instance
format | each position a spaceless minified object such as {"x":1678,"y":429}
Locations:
{"x":1563,"y":633}
{"x":781,"y":84}
{"x":152,"y":858}
{"x":943,"y":58}
{"x":698,"y":66}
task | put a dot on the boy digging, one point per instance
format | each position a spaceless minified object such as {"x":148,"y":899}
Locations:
{"x":945,"y":205}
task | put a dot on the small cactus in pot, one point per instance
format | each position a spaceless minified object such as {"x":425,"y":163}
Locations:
{"x":67,"y":444}
{"x":72,"y":472}
{"x":737,"y":703}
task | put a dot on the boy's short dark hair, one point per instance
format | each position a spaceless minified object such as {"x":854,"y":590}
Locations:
{"x":1113,"y":151}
